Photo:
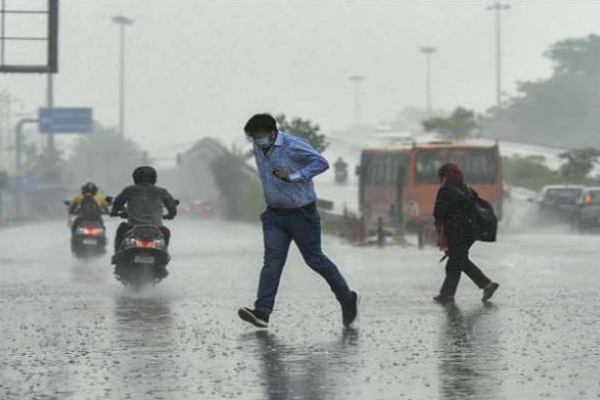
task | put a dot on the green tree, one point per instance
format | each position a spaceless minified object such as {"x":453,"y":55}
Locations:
{"x":304,"y":128}
{"x":579,"y":163}
{"x":237,"y":186}
{"x":529,"y":172}
{"x":561,"y":110}
{"x":460,"y":125}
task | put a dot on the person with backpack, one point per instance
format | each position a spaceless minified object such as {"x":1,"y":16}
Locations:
{"x":461,"y":217}
{"x":88,"y":206}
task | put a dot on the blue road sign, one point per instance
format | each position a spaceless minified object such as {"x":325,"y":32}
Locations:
{"x":65,"y":120}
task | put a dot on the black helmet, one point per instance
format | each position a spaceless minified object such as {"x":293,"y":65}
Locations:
{"x":144,"y":174}
{"x":89,"y":187}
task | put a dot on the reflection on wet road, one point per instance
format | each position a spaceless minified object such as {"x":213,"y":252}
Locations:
{"x":302,"y":373}
{"x":467,"y":354}
{"x":69,"y":331}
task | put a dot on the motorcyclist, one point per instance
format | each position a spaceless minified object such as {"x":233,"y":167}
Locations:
{"x":341,"y":170}
{"x":143,"y":203}
{"x":88,"y":206}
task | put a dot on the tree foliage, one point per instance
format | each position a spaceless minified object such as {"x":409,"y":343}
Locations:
{"x":579,"y":163}
{"x":241,"y":195}
{"x":561,"y":110}
{"x":460,"y":125}
{"x":304,"y":128}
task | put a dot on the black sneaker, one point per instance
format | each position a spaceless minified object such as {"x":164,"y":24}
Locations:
{"x":489,"y":291}
{"x":350,"y":309}
{"x":254,"y":317}
{"x":443,"y":299}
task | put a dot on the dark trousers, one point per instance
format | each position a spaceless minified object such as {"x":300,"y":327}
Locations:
{"x":303,"y":227}
{"x":125,"y":227}
{"x":458,"y":261}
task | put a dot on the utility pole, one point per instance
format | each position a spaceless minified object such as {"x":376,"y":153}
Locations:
{"x":50,"y":104}
{"x":428,"y":51}
{"x":19,"y":161}
{"x":122,"y":22}
{"x":6,"y":100}
{"x":357,"y":81}
{"x":7,"y":111}
{"x":498,"y":7}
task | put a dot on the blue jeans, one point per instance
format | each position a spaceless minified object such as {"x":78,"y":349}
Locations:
{"x":304,"y":228}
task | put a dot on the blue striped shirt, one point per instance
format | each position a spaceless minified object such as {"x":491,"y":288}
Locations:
{"x":300,"y":160}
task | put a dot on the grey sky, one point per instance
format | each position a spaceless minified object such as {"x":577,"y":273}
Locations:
{"x":201,"y":68}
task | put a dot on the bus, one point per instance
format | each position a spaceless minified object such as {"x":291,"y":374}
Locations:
{"x":398,"y":185}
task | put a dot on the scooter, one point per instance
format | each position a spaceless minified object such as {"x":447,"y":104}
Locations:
{"x":142,"y":256}
{"x":88,"y":238}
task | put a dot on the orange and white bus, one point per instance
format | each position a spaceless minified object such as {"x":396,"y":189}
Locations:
{"x":398,"y":185}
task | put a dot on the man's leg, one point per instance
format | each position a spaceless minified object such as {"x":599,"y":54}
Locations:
{"x":305,"y":229}
{"x":463,"y":262}
{"x":448,"y":289}
{"x":166,"y":234}
{"x":120,"y":235}
{"x":473,"y":272}
{"x":277,"y":244}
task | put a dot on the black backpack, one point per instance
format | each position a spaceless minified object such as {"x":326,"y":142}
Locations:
{"x":482,"y":217}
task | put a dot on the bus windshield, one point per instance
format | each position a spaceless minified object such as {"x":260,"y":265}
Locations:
{"x":478,"y":165}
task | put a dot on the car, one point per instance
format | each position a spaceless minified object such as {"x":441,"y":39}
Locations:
{"x":200,"y":208}
{"x":558,"y":202}
{"x":587,"y":212}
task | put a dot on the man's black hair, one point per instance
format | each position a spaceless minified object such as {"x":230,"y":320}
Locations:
{"x":260,"y":123}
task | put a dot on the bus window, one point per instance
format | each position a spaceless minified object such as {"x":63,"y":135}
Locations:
{"x":478,"y":165}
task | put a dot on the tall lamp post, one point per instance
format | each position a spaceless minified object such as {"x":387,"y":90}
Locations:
{"x":428,"y":51}
{"x":357,"y":80}
{"x":122,"y":22}
{"x":498,"y":7}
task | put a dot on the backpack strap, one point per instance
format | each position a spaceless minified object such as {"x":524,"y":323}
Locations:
{"x":469,"y":194}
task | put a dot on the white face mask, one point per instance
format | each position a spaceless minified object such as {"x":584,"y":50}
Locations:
{"x":263,"y":142}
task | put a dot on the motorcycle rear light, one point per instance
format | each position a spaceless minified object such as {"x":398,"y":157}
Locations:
{"x":588,"y":200}
{"x":93,"y":231}
{"x":146,"y":244}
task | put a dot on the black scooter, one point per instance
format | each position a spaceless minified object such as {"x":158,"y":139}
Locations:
{"x":142,"y":257}
{"x":88,"y":238}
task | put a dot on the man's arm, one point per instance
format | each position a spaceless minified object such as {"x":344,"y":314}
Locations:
{"x":75,"y":204}
{"x":119,"y":203}
{"x":103,"y":204}
{"x":314,"y":163}
{"x":170,"y":205}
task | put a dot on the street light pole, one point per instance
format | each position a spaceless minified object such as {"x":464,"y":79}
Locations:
{"x":498,"y":7}
{"x":428,"y":51}
{"x":357,"y":80}
{"x":122,"y":22}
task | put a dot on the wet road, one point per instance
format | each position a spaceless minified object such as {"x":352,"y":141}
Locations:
{"x":69,"y":331}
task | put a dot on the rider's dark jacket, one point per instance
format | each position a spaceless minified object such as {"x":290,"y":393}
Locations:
{"x":144,"y":204}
